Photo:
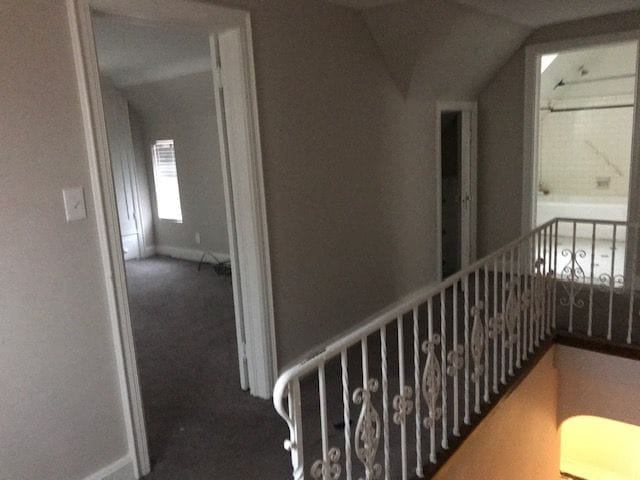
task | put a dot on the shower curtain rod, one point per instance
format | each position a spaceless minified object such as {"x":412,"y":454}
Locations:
{"x":576,"y":109}
{"x":565,"y":83}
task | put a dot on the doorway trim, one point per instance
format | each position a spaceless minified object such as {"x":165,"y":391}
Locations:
{"x":533,"y":54}
{"x":469,"y":174}
{"x":250,"y":223}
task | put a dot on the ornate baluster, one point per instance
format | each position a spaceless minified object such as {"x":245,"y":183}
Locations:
{"x":443,"y":360}
{"x":503,"y":343}
{"x":431,"y":384}
{"x":613,"y":282}
{"x":385,"y":401}
{"x":518,"y":314}
{"x":486,"y":332}
{"x":574,"y":277}
{"x":367,"y":433}
{"x":458,"y":350}
{"x":467,"y":418}
{"x":329,"y":467}
{"x":402,"y":403}
{"x":538,"y":312}
{"x":555,"y":274}
{"x":511,"y":254}
{"x":477,"y":349}
{"x":591,"y":276}
{"x":416,"y":379}
{"x":495,"y":325}
{"x":539,"y":292}
{"x":346,"y":414}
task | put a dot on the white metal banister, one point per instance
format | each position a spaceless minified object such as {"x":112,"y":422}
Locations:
{"x":501,"y":309}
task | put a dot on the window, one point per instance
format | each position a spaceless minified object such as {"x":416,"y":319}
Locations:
{"x":165,"y":176}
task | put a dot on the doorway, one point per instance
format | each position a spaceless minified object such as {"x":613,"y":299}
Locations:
{"x":456,"y":172}
{"x":581,"y":143}
{"x":229,"y":72}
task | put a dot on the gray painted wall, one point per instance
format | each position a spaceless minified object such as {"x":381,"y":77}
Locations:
{"x":500,"y":118}
{"x":342,"y":222}
{"x":60,"y":400}
{"x":349,"y":198}
{"x":183,"y":109}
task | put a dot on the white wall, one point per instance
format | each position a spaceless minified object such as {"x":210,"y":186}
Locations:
{"x":183,"y":109}
{"x":62,"y":415}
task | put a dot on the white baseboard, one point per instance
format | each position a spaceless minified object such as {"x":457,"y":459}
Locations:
{"x":190,"y":254}
{"x":121,"y":469}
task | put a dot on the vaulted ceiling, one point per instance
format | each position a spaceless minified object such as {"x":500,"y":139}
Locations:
{"x":538,"y":13}
{"x":457,"y":45}
{"x":532,"y":13}
{"x":452,"y":47}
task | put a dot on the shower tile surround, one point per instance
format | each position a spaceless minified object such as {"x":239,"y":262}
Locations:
{"x":575,"y":146}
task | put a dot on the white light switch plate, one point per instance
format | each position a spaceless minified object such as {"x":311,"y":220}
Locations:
{"x":74,"y":206}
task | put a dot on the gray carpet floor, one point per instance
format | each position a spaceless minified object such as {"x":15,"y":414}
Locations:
{"x":200,"y":424}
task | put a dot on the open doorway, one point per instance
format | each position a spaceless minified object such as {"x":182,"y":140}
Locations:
{"x":170,"y":117}
{"x":585,"y":123}
{"x":456,"y":167}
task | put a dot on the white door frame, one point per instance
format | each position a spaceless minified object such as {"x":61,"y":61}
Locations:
{"x":469,"y":177}
{"x":244,"y":187}
{"x":533,"y":53}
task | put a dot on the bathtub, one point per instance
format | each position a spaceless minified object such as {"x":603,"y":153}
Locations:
{"x":568,"y":206}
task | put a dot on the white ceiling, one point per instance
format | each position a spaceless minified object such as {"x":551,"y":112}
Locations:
{"x":532,"y":13}
{"x":133,"y":54}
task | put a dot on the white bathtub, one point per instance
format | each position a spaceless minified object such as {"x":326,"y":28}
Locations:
{"x":599,"y":208}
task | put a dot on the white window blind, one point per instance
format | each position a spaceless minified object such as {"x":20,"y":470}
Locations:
{"x":166,"y":181}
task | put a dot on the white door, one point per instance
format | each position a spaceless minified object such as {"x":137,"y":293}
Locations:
{"x":221,"y":109}
{"x":116,"y":112}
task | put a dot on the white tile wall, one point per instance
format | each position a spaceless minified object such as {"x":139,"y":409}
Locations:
{"x":569,"y":166}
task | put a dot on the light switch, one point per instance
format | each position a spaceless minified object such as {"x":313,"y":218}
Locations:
{"x":74,"y":206}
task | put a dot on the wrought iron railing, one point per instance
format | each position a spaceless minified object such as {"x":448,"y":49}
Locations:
{"x":386,"y":398}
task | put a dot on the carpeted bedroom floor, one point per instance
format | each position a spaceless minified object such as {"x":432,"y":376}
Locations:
{"x":200,"y":424}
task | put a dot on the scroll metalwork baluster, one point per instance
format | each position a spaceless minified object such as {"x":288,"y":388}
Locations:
{"x":368,"y":430}
{"x":431,"y":384}
{"x":328,"y":469}
{"x":477,"y":350}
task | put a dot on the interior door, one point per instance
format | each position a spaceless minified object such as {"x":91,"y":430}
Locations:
{"x":116,"y":113}
{"x":241,"y":335}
